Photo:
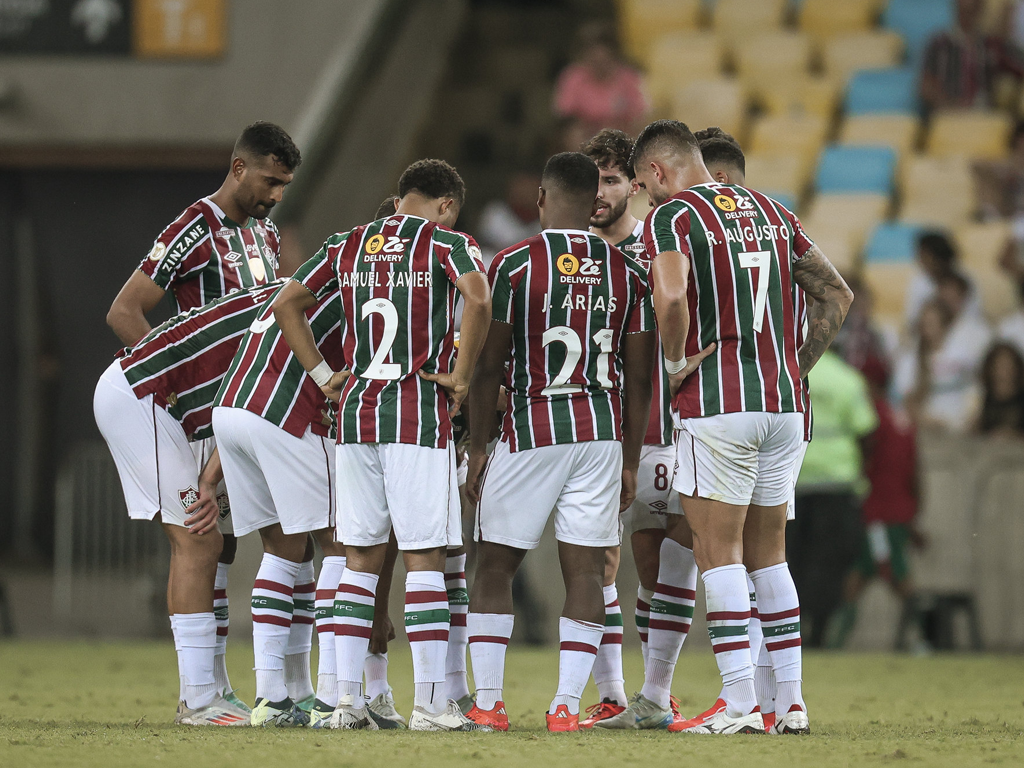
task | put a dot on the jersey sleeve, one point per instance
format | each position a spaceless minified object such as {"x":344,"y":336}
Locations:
{"x":274,"y":241}
{"x":459,"y":254}
{"x":641,"y":317}
{"x":501,"y":289}
{"x":186,"y":246}
{"x":666,"y":229}
{"x":318,"y":275}
{"x":801,"y":242}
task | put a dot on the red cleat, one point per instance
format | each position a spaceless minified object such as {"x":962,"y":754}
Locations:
{"x":493,"y":718}
{"x":562,"y":721}
{"x":673,"y":704}
{"x":601,"y":711}
{"x":682,"y":725}
{"x":769,"y":721}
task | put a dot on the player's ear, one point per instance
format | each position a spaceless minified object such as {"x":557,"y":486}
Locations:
{"x":237,"y":167}
{"x":721,"y":176}
{"x":541,"y":195}
{"x":634,"y":187}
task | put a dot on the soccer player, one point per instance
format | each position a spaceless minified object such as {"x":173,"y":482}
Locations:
{"x":398,"y":279}
{"x":572,"y":316}
{"x":152,"y":405}
{"x":218,"y":244}
{"x":726,"y":262}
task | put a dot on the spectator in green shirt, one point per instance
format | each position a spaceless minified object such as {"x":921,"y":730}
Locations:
{"x":823,"y":541}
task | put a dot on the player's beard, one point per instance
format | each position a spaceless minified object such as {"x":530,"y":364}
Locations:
{"x":610,"y":215}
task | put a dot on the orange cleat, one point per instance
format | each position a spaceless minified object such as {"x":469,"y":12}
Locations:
{"x":673,"y":704}
{"x":562,"y":721}
{"x":493,"y":718}
{"x":682,"y":725}
{"x":601,"y":711}
{"x":769,"y":721}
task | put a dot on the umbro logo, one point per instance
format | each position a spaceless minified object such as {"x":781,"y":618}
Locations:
{"x":578,"y":239}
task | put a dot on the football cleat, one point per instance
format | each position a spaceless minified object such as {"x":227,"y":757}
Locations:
{"x":278,"y":714}
{"x":466,"y":703}
{"x":347,"y":718}
{"x":673,"y":704}
{"x":769,"y":721}
{"x":562,"y":721}
{"x":642,"y":714}
{"x":218,"y":712}
{"x":793,"y":722}
{"x":307,"y":704}
{"x":723,"y":723}
{"x":496,"y":719}
{"x":682,"y":725}
{"x":382,"y":710}
{"x":601,"y":711}
{"x":230,"y":697}
{"x":451,"y":719}
{"x":320,"y":715}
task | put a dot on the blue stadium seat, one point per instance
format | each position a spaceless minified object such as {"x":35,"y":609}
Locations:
{"x":917,"y":21}
{"x":872,"y":91}
{"x":856,"y":169}
{"x":782,"y":197}
{"x":892,"y":243}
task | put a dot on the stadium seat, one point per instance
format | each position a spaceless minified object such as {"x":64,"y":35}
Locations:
{"x":975,"y":134}
{"x":737,"y":21}
{"x":846,"y":54}
{"x":720,"y":102}
{"x":981,"y":245}
{"x":643,"y":21}
{"x":681,"y":56}
{"x":773,"y":54}
{"x":899,"y":132}
{"x":918,"y":20}
{"x":776,"y":175}
{"x":800,"y":135}
{"x":882,"y":90}
{"x":888,"y":283}
{"x":998,"y":293}
{"x":813,"y":95}
{"x":892,"y":243}
{"x":853,"y":216}
{"x":837,"y":248}
{"x":856,"y":169}
{"x":938,"y":191}
{"x":827,"y":18}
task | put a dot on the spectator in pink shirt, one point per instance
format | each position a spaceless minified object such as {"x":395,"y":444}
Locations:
{"x":599,"y":90}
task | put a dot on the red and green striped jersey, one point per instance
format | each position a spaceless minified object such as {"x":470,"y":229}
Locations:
{"x":183,"y":361}
{"x":570,"y":297}
{"x":204,"y":255}
{"x":396,"y":277}
{"x":660,"y":427}
{"x":741,"y":246}
{"x":266,"y":378}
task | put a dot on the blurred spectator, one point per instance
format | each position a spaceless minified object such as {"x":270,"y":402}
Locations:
{"x":504,"y":223}
{"x":889,"y":509}
{"x":599,"y":90}
{"x":1011,"y":328}
{"x":822,"y":542}
{"x":1002,"y":381}
{"x":936,"y":259}
{"x":859,"y":341}
{"x":962,"y":65}
{"x":1000,"y":183}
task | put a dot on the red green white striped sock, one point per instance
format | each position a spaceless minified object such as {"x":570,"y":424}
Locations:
{"x":272,"y":608}
{"x":327,"y":666}
{"x":643,"y":617}
{"x":728,"y":601}
{"x":458,"y":634}
{"x":300,"y":637}
{"x":427,"y":624}
{"x":353,"y":618}
{"x":489,"y":634}
{"x":671,"y":616}
{"x":607,"y":671}
{"x":577,"y":650}
{"x":780,"y":621}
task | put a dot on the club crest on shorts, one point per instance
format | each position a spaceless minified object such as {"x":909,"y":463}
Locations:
{"x":188,"y":497}
{"x":223,"y":505}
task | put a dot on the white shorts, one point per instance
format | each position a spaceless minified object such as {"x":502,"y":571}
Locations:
{"x":791,"y":508}
{"x":410,"y":487}
{"x":158,"y":467}
{"x":739,"y":458}
{"x":655,"y":499}
{"x":579,"y":482}
{"x":273,"y":476}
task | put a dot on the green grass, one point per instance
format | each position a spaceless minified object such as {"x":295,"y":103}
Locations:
{"x":93,"y":704}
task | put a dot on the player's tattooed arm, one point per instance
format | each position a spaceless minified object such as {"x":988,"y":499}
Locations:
{"x":830,"y":299}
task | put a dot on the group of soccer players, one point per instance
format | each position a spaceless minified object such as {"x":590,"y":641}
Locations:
{"x":623,"y":376}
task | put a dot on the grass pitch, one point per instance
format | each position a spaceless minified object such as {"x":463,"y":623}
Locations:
{"x":108,"y":704}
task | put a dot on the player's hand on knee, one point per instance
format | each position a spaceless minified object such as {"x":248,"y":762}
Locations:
{"x":477,"y":462}
{"x":203,"y":514}
{"x":628,"y":493}
{"x":333,"y":387}
{"x":381,"y":633}
{"x":675,"y":380}
{"x":456,"y":389}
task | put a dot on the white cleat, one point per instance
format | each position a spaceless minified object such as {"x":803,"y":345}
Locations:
{"x":794,"y":722}
{"x":219,"y":712}
{"x":642,"y":714}
{"x":382,"y":710}
{"x":451,"y":719}
{"x":347,"y":718}
{"x":723,"y":723}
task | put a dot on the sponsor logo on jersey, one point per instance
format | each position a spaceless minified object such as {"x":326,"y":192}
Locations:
{"x":725,"y":203}
{"x":158,"y":251}
{"x":390,"y":250}
{"x":258,"y":270}
{"x":188,"y":497}
{"x":374,"y":244}
{"x":577,"y":272}
{"x":740,"y":214}
{"x":636,"y":247}
{"x":578,"y":239}
{"x":567,"y":264}
{"x":225,"y":233}
{"x":233,"y":258}
{"x":223,"y":505}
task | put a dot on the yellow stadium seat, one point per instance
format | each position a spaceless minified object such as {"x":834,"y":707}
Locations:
{"x":998,"y":293}
{"x":975,"y":134}
{"x":797,"y":134}
{"x":720,"y":102}
{"x":776,"y":174}
{"x":937,"y":191}
{"x":828,"y":18}
{"x":737,"y":21}
{"x":846,"y":54}
{"x":640,"y":205}
{"x":644,"y":21}
{"x":896,"y":131}
{"x":888,"y":283}
{"x":679,"y":57}
{"x":837,"y":248}
{"x":982,"y":245}
{"x":813,"y":95}
{"x":773,"y":54}
{"x":854,"y":215}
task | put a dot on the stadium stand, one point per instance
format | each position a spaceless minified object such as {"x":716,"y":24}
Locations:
{"x":824,"y":19}
{"x":719,"y":101}
{"x":937,"y":190}
{"x":882,"y":90}
{"x":856,"y":169}
{"x":846,"y":54}
{"x":917,"y":20}
{"x":975,"y":134}
{"x":698,"y":55}
{"x":642,"y":21}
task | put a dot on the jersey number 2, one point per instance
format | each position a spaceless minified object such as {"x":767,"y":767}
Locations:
{"x":378,"y":369}
{"x":573,"y":352}
{"x":761,"y":262}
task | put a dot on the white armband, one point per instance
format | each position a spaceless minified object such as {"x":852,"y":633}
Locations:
{"x":674,"y":366}
{"x":322,"y":374}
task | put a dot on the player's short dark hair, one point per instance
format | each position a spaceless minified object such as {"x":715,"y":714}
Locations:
{"x":664,"y":136}
{"x":387,"y":207}
{"x":262,"y":138}
{"x":572,"y":173}
{"x":610,"y":149}
{"x":939,"y":246}
{"x":434,"y":179}
{"x":719,"y":147}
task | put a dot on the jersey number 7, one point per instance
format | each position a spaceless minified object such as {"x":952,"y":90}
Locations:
{"x":761,"y":262}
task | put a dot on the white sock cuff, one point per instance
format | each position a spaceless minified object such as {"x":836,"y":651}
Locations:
{"x":611,"y":594}
{"x":306,"y":573}
{"x":220,"y":581}
{"x":197,"y":630}
{"x":674,"y":557}
{"x":367,"y":581}
{"x":490,"y":625}
{"x":433,"y":580}
{"x":721,"y":571}
{"x":455,"y":563}
{"x":575,"y":631}
{"x":273,"y":562}
{"x":645,"y":594}
{"x":762,"y":572}
{"x":334,"y":561}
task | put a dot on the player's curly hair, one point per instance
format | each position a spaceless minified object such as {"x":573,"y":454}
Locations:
{"x":717,"y":146}
{"x":434,"y":179}
{"x":667,"y":136}
{"x":262,"y":138}
{"x":610,"y":149}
